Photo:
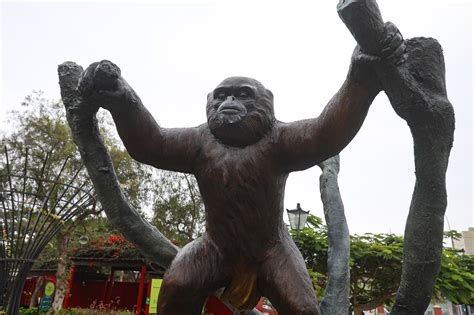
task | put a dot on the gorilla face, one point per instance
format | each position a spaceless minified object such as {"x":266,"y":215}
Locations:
{"x":240,"y":111}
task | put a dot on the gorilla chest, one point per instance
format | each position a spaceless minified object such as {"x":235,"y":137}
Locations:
{"x":236,"y":170}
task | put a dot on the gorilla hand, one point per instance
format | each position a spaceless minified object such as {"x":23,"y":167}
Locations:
{"x":393,"y":45}
{"x":392,"y":52}
{"x":102,"y":84}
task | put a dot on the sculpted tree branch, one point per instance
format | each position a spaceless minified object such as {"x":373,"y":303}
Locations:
{"x":417,"y":92}
{"x":85,"y":131}
{"x":336,"y":294}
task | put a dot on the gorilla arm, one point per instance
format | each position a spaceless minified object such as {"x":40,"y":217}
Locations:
{"x":305,"y":143}
{"x":172,"y":149}
{"x":165,"y":148}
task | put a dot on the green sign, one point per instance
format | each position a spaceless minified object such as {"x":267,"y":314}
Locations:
{"x":47,"y":298}
{"x":154,"y":293}
{"x":49,"y":289}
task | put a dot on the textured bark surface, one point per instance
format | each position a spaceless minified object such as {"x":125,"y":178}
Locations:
{"x":61,"y":276}
{"x":85,"y":131}
{"x":417,"y":92}
{"x":336,"y":294}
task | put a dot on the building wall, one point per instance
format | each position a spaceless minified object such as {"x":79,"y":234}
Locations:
{"x":466,"y":242}
{"x":468,"y":237}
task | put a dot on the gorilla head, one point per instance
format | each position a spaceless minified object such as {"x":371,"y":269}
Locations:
{"x":240,"y":111}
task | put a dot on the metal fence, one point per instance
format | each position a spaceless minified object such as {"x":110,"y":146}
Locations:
{"x":38,"y":197}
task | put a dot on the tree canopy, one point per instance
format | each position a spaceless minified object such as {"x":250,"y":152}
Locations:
{"x":376,"y":266}
{"x":40,"y":131}
{"x":40,"y":127}
{"x":178,"y":210}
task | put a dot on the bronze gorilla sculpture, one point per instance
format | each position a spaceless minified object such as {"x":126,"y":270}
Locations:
{"x":241,"y":159}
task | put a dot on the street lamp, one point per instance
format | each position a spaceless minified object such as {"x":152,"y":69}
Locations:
{"x":297,"y":218}
{"x":84,"y":239}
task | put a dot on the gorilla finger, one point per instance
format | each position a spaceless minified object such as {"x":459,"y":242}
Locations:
{"x":364,"y":58}
{"x":86,"y":81}
{"x":397,"y":55}
{"x":390,"y":28}
{"x":402,"y":59}
{"x":109,"y":69}
{"x":392,"y":47}
{"x":106,"y":75}
{"x":387,"y":39}
{"x":91,"y":68}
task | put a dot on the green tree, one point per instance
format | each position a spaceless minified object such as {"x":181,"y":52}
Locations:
{"x":178,"y":208}
{"x":376,"y":266}
{"x":456,"y":278}
{"x":40,"y":128}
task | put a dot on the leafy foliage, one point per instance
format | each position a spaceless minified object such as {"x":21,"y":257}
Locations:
{"x":41,"y":128}
{"x":376,"y":266}
{"x":178,"y":207}
{"x":456,"y":278}
{"x":376,"y":261}
{"x":113,"y":247}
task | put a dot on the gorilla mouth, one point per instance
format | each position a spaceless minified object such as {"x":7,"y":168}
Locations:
{"x":229,"y":109}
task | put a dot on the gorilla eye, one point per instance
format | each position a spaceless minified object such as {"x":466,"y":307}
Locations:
{"x":220,"y":96}
{"x":243,"y":94}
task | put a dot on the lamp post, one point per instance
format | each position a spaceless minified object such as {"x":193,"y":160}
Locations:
{"x":297,"y":218}
{"x":83,"y":239}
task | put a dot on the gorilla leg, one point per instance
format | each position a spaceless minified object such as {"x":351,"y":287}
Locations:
{"x":197,"y":271}
{"x":283,"y":278}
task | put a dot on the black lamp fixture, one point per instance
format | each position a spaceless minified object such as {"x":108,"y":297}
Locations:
{"x":297,"y":218}
{"x":84,"y":239}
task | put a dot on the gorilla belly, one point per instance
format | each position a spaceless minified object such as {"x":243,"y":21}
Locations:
{"x":244,"y":212}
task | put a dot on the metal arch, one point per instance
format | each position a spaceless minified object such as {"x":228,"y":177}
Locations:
{"x":33,"y":208}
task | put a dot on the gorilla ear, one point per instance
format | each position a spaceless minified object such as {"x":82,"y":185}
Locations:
{"x":209,"y":96}
{"x":270,"y":94}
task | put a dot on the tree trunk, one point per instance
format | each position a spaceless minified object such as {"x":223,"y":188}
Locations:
{"x":61,"y":277}
{"x":34,"y":296}
{"x":336,"y":294}
{"x":82,"y":120}
{"x":417,"y":92}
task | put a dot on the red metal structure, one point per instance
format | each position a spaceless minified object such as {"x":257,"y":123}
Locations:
{"x":141,"y":288}
{"x":89,"y":290}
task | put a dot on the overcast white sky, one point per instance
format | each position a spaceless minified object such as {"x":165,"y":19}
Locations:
{"x":174,"y":52}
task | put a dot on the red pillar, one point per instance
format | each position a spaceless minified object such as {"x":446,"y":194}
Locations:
{"x":147,"y":307}
{"x":67,"y":298}
{"x":140,"y":289}
{"x":108,"y":287}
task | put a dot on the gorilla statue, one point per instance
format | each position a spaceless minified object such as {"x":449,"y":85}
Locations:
{"x":241,"y":159}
